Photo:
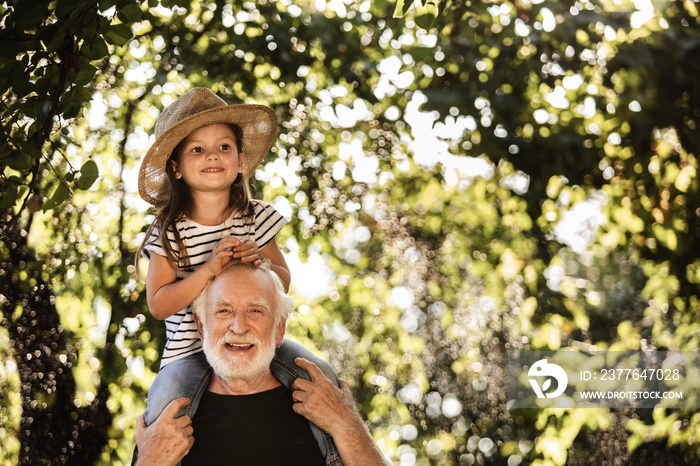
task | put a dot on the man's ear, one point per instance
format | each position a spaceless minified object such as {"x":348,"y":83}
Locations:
{"x":198,"y":323}
{"x":280,"y":331}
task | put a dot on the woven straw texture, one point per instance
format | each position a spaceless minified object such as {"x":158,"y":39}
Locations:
{"x":197,"y":108}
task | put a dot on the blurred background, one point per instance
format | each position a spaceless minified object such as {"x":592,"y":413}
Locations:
{"x":461,"y":179}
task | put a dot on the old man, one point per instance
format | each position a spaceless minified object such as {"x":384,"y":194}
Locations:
{"x":251,"y":408}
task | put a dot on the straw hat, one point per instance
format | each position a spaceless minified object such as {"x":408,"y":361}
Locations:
{"x":201,"y":107}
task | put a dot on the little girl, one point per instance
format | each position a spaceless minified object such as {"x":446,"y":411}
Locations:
{"x":196,"y":173}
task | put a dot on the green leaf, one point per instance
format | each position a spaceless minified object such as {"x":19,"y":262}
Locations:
{"x":32,"y":129}
{"x":88,"y":174}
{"x":20,"y":161}
{"x":402,"y":8}
{"x":96,"y":50}
{"x":30,"y":149}
{"x":119,"y":34}
{"x":32,"y":17}
{"x":55,"y":41}
{"x":9,"y":195}
{"x":72,"y":111}
{"x":20,"y":82}
{"x":85,"y":75}
{"x":426,"y":14}
{"x":61,"y":194}
{"x":73,"y":103}
{"x":130,"y":14}
{"x":105,"y":5}
{"x":66,"y":10}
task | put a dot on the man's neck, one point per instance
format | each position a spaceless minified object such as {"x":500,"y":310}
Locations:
{"x":262,"y":383}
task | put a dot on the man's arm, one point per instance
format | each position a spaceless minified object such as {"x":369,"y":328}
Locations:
{"x":166,"y":441}
{"x":333,"y":410}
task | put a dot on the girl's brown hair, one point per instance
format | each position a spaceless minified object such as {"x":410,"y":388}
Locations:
{"x":179,"y":203}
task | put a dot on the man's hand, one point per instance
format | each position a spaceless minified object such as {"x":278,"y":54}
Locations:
{"x":320,"y":401}
{"x":166,"y":441}
{"x":333,"y":410}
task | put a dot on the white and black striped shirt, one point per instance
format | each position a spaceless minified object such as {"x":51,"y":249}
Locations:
{"x":199,"y":240}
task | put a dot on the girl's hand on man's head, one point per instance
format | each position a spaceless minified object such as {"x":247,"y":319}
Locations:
{"x":248,"y":251}
{"x":221,"y":254}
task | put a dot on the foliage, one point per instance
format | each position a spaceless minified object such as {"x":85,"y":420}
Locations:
{"x":477,"y":177}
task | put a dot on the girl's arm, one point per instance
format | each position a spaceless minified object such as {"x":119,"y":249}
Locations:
{"x":248,"y":251}
{"x":272,"y":252}
{"x":166,"y":295}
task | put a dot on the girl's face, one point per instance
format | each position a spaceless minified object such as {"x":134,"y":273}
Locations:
{"x":209,"y":160}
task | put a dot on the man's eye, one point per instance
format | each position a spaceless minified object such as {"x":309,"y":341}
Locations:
{"x":225,"y":147}
{"x":197,"y":150}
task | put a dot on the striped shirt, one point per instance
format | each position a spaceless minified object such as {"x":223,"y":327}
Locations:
{"x":199,"y":240}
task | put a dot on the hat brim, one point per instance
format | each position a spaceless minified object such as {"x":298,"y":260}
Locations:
{"x":259,"y":125}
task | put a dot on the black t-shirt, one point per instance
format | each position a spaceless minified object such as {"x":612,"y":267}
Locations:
{"x":258,"y":429}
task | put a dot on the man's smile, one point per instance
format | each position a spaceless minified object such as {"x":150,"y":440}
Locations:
{"x":238,"y":346}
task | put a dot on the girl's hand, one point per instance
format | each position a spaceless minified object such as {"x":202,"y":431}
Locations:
{"x":221,"y":254}
{"x":248,"y":251}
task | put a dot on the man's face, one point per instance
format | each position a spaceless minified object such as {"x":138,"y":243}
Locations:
{"x":240,"y":331}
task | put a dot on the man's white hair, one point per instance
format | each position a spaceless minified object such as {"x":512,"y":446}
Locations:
{"x":284,"y":304}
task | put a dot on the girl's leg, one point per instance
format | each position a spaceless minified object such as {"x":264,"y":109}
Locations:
{"x":286,"y":371}
{"x":177,"y":379}
{"x":289,"y":350}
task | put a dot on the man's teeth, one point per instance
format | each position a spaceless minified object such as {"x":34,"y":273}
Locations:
{"x":239,"y":345}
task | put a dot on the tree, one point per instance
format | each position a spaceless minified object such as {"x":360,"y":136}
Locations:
{"x":432,"y":171}
{"x":48,"y":62}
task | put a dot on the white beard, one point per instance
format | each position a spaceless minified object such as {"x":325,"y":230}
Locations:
{"x":229,"y":366}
